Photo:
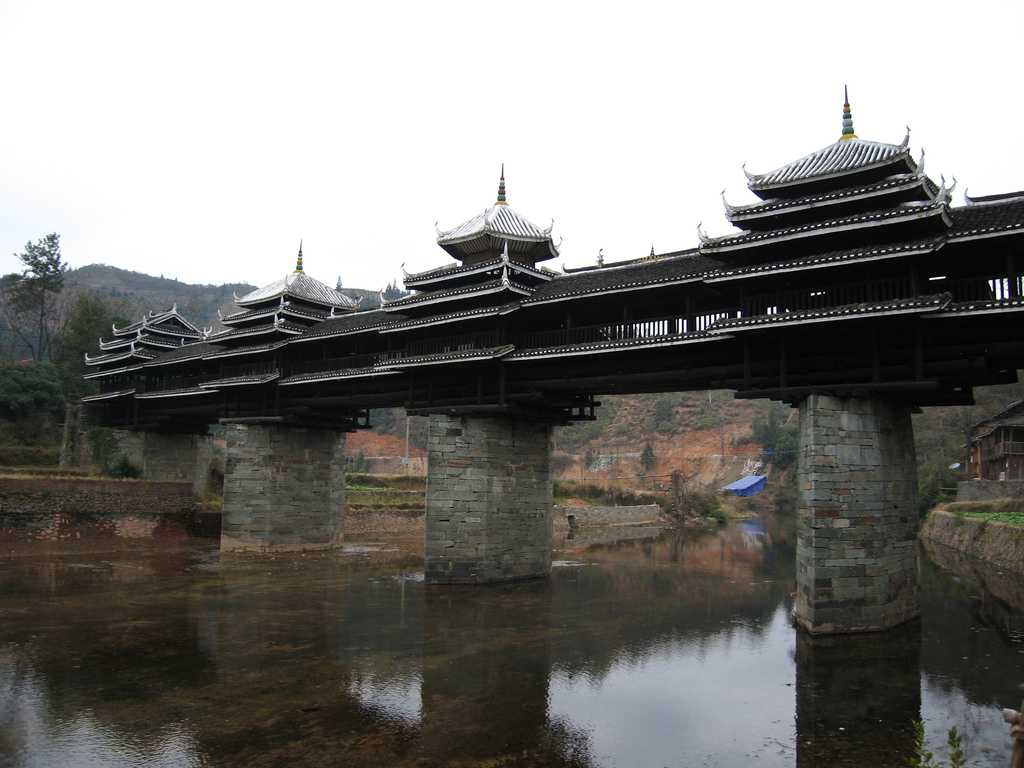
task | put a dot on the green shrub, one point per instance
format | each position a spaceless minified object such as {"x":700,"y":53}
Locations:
{"x":123,"y":468}
{"x":28,"y":455}
{"x":29,"y":389}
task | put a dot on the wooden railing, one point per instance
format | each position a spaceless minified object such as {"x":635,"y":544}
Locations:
{"x":829,"y":296}
{"x":999,"y":450}
{"x":447,"y":344}
{"x":245,"y":369}
{"x":165,"y":383}
{"x":343,"y":363}
{"x":976,"y":288}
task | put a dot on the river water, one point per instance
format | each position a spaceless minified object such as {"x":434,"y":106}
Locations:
{"x":674,"y":650}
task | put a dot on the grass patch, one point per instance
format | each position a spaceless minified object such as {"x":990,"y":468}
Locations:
{"x":1010,"y":511}
{"x":365,"y":481}
{"x":598,"y":495}
{"x":44,"y":471}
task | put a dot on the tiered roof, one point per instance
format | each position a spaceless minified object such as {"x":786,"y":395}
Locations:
{"x":284,"y":308}
{"x":499,"y":250}
{"x":852,"y":193}
{"x":144,"y":339}
{"x":485,"y":234}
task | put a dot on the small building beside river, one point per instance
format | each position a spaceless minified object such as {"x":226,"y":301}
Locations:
{"x":997,"y":446}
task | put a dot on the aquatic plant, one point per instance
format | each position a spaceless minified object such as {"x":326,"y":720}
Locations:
{"x":923,"y":758}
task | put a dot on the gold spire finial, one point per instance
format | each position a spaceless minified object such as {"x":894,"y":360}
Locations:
{"x":847,"y":117}
{"x":501,"y":186}
{"x":298,"y":260}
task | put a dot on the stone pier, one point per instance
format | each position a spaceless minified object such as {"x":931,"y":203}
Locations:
{"x":488,"y":500}
{"x":284,"y":488}
{"x":161,"y":455}
{"x":856,"y":555}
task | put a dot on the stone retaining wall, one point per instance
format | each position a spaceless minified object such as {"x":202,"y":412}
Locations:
{"x":637,"y":514}
{"x":998,"y":544}
{"x":43,"y":509}
{"x":988,"y":490}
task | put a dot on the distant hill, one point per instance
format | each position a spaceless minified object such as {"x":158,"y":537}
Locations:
{"x":137,"y":292}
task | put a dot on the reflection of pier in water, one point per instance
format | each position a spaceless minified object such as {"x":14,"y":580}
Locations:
{"x":198,"y":658}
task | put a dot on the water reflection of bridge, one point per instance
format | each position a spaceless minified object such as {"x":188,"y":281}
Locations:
{"x":662,"y":636}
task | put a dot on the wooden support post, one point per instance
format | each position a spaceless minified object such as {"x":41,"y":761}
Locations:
{"x":915,"y":280}
{"x":918,"y":354}
{"x":746,"y":362}
{"x":782,"y":361}
{"x":1011,"y":275}
{"x":876,"y":365}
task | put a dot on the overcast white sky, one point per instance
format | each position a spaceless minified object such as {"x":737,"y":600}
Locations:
{"x":202,"y":140}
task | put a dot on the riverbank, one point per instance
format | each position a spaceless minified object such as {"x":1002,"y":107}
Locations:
{"x":990,"y":531}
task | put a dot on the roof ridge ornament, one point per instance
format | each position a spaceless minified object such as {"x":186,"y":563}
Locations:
{"x":298,"y":259}
{"x":704,"y":239}
{"x":750,"y":176}
{"x":600,"y":257}
{"x":504,"y":252}
{"x":729,"y":208}
{"x":906,"y":139}
{"x":920,"y":165}
{"x":380,"y":297}
{"x":945,"y":193}
{"x":652,"y":254}
{"x":501,"y":188}
{"x":551,"y":226}
{"x":847,"y":117}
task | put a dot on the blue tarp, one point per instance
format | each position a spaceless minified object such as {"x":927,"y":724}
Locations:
{"x":747,"y":486}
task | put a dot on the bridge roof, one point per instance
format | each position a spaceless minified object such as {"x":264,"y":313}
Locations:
{"x":497,"y":286}
{"x":168,"y":322}
{"x":356,"y":322}
{"x":184,"y":353}
{"x":841,"y":158}
{"x":668,"y":269}
{"x":298,"y":285}
{"x":451,"y":317}
{"x":249,"y":349}
{"x":617,"y":345}
{"x":132,"y":352}
{"x":496,"y":225}
{"x":773,"y":207}
{"x":918,"y":304}
{"x":279,"y":325}
{"x":441,"y":274}
{"x":992,"y":217}
{"x":906,"y":212}
{"x":284,"y":307}
{"x":831,"y":258}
